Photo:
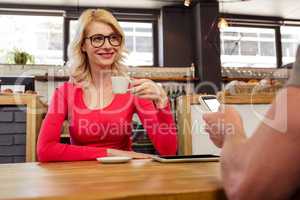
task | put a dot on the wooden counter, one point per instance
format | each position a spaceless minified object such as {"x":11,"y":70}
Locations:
{"x":35,"y":110}
{"x":139,"y":179}
{"x":184,"y":125}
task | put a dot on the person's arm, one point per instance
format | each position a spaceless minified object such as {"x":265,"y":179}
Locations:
{"x":49,"y":147}
{"x":153,"y":107}
{"x":159,"y":124}
{"x":265,"y":166}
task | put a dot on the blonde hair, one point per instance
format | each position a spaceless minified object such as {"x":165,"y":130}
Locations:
{"x":78,"y":62}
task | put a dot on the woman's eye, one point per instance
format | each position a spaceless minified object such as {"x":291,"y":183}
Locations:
{"x":98,"y":39}
{"x":115,"y":38}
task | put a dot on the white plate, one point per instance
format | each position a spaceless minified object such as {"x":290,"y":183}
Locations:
{"x":114,"y":159}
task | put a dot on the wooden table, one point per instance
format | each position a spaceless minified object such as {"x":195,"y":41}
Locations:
{"x":139,"y":179}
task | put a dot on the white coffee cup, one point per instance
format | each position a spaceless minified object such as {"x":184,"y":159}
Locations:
{"x":119,"y":84}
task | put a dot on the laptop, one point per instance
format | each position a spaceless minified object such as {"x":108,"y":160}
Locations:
{"x":187,"y":158}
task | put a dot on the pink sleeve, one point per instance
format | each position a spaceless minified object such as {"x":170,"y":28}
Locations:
{"x":159,"y":124}
{"x":49,"y":147}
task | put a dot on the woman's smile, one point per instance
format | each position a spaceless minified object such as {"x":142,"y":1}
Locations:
{"x":106,"y":55}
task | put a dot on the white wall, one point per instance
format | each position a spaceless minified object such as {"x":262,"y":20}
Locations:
{"x":201,"y":144}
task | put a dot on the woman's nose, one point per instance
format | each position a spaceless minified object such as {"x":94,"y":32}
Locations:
{"x":106,"y":44}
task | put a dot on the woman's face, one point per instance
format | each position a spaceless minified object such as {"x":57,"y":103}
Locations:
{"x":102,"y":44}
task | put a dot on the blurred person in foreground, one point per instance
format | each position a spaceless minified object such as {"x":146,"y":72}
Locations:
{"x":265,"y":166}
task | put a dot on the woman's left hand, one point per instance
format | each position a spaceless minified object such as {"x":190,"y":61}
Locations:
{"x":147,"y":89}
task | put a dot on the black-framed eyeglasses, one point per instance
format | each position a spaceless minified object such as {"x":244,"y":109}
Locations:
{"x":98,"y":40}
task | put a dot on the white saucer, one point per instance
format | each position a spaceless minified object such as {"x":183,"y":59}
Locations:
{"x":114,"y":159}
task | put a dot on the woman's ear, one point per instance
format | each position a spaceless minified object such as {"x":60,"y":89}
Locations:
{"x":83,"y":48}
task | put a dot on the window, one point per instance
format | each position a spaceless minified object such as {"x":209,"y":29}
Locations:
{"x":41,"y":36}
{"x":290,"y":39}
{"x":248,"y":47}
{"x":230,"y":47}
{"x":73,"y":28}
{"x":138,"y":41}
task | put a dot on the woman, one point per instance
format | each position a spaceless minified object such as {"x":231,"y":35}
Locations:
{"x":100,"y":121}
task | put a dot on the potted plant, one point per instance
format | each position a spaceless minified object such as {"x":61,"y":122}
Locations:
{"x":20,"y":57}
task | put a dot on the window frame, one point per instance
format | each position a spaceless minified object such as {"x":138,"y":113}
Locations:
{"x":37,"y":12}
{"x":73,"y":12}
{"x":276,"y":29}
{"x":154,"y":34}
{"x":263,"y":22}
{"x":122,"y":15}
{"x":288,"y":24}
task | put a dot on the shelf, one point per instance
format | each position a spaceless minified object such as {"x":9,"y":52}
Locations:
{"x":51,"y":78}
{"x":227,"y":79}
{"x":159,"y":79}
{"x":167,"y":79}
{"x":263,"y":98}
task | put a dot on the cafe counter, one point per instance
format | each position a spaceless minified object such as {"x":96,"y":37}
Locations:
{"x":20,"y":119}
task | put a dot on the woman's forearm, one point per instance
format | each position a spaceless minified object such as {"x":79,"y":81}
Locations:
{"x":160,"y":126}
{"x":49,"y":152}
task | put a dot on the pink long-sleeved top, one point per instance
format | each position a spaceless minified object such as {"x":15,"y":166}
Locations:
{"x":93,"y":131}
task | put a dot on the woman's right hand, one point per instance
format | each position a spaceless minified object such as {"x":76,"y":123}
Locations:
{"x":132,"y":154}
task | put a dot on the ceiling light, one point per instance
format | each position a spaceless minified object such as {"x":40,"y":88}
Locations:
{"x":222,"y":23}
{"x":187,"y":3}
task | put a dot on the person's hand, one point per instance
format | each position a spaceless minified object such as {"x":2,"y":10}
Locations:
{"x":147,"y":89}
{"x":225,"y":123}
{"x":132,"y":154}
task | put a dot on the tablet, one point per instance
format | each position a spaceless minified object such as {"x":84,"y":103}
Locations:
{"x":188,"y":158}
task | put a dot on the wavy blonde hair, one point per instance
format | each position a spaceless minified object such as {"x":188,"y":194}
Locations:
{"x":80,"y":72}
